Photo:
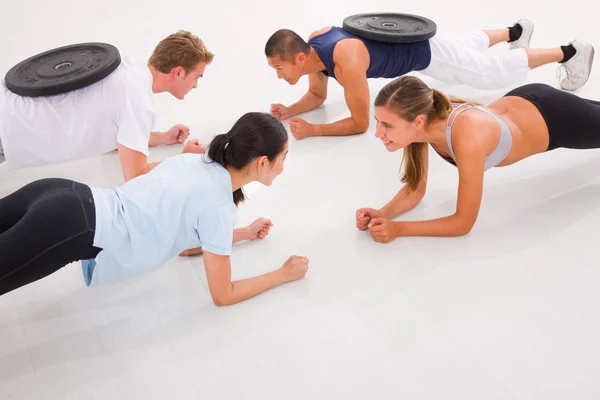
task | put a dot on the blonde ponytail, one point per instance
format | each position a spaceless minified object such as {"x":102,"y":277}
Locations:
{"x":441,"y":106}
{"x":412,"y":163}
{"x":458,"y":100}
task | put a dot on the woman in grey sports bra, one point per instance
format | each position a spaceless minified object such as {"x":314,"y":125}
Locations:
{"x":498,"y":154}
{"x":528,"y":120}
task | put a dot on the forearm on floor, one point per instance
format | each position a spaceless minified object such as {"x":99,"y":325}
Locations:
{"x":308,"y":102}
{"x":344,"y":127}
{"x":246,"y":288}
{"x":453,"y":225}
{"x":403,"y":201}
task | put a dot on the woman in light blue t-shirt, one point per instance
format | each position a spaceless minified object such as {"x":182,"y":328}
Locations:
{"x":183,"y":206}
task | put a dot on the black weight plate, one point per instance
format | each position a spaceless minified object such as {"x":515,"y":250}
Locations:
{"x":390,"y":27}
{"x":63,"y":69}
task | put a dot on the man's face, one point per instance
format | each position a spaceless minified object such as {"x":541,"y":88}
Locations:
{"x":183,"y":82}
{"x":290,"y":71}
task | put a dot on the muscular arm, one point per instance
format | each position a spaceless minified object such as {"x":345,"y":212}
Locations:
{"x":351,"y":60}
{"x":315,"y":97}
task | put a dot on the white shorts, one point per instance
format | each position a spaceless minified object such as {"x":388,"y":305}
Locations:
{"x":465,"y":60}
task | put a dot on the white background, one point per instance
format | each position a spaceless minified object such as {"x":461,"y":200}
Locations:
{"x":508,"y":312}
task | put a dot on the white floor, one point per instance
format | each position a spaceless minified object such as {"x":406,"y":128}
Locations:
{"x":508,"y":312}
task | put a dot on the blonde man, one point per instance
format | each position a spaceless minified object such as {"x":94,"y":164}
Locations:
{"x":116,"y":113}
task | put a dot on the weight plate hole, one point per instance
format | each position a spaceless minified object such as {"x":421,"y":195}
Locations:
{"x":63,"y":65}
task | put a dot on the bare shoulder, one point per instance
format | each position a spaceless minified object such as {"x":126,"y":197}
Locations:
{"x":319,"y":32}
{"x":471,"y":132}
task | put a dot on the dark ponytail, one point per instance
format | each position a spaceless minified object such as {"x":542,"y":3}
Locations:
{"x":253,"y":135}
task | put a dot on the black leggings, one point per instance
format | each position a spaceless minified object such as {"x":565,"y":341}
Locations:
{"x":573,"y":122}
{"x":43,"y":227}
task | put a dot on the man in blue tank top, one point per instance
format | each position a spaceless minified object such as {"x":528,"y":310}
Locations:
{"x":351,"y":60}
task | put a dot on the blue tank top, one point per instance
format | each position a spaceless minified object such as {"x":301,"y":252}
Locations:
{"x":388,"y":60}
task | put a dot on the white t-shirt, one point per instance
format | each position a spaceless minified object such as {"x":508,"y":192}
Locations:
{"x":184,"y":203}
{"x":83,"y":123}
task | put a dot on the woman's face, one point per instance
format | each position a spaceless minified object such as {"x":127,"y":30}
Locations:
{"x":268,"y":171}
{"x":394,"y":131}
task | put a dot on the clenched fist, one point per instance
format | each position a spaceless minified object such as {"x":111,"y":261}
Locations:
{"x":177,"y":134}
{"x":194,"y":146}
{"x":301,"y":129}
{"x":280,"y":111}
{"x":259,"y":228}
{"x":364,"y":215}
{"x":295,"y":268}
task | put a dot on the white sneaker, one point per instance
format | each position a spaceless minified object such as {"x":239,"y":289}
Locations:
{"x":578,"y":68}
{"x":523,"y":41}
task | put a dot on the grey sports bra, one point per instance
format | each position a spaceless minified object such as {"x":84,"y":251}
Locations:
{"x":504,"y":144}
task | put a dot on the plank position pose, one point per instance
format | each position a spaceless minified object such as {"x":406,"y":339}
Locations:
{"x":186,"y":203}
{"x":528,"y":120}
{"x":115,"y":113}
{"x":351,"y":60}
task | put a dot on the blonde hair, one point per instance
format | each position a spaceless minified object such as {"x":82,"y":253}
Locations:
{"x":409,"y":97}
{"x":181,"y":49}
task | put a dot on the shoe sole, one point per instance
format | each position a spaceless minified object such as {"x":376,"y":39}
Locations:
{"x":590,"y":69}
{"x":590,"y":65}
{"x":528,"y":40}
{"x":530,"y":36}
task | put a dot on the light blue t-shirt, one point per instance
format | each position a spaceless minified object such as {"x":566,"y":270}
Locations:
{"x":185,"y":202}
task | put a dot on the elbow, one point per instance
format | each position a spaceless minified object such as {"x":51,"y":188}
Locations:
{"x":463,"y":232}
{"x":224,"y":298}
{"x":464,"y":227}
{"x":362,"y":126}
{"x":220,"y":301}
{"x":319,"y":97}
